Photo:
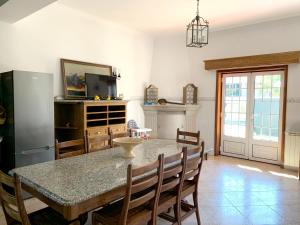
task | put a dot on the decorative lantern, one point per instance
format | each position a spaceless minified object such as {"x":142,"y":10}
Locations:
{"x":197,"y":31}
{"x":190,"y":92}
{"x":151,"y":94}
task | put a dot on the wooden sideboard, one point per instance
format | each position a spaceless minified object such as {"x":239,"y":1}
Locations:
{"x":74,"y":117}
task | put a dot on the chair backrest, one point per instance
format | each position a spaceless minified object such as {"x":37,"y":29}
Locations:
{"x":69,"y":148}
{"x":190,"y":138}
{"x":145,"y":190}
{"x":12,"y":204}
{"x":172,"y":175}
{"x":193,"y":159}
{"x":117,"y":135}
{"x":98,"y":142}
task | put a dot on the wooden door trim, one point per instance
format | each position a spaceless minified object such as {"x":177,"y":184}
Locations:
{"x":281,"y":58}
{"x":218,"y":106}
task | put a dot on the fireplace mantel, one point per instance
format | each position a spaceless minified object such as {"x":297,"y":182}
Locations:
{"x":189,"y":111}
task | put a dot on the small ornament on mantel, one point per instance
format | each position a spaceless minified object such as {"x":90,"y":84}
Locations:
{"x":151,"y":94}
{"x":190,"y":93}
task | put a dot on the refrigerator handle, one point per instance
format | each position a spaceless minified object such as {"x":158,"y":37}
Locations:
{"x":37,"y":150}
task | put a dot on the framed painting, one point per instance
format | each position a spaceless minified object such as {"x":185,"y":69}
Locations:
{"x":73,"y":73}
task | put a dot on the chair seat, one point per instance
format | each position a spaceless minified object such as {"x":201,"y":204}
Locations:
{"x":110,"y":215}
{"x":166,"y":200}
{"x":47,"y":216}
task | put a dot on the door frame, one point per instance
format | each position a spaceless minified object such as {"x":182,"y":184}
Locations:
{"x":218,"y":105}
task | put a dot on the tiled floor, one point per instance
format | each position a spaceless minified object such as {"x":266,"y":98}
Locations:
{"x":234,"y":191}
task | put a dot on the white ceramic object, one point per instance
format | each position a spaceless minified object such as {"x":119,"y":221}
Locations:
{"x":128,"y":143}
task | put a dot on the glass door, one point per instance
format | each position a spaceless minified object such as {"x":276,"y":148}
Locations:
{"x":252,"y":115}
{"x":266,"y":118}
{"x":235,"y":115}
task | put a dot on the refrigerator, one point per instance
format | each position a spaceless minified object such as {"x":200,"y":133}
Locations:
{"x":28,"y":133}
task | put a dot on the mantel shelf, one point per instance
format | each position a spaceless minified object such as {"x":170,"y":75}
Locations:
{"x":171,"y":108}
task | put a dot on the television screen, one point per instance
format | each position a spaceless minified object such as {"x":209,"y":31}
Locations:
{"x":101,"y":85}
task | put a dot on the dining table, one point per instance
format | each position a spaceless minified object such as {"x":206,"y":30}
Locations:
{"x":77,"y":185}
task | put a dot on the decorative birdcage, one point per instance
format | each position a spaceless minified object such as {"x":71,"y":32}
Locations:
{"x":190,"y":93}
{"x":151,"y":94}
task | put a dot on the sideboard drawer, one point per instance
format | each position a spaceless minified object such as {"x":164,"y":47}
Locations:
{"x":115,"y":129}
{"x":97,"y":131}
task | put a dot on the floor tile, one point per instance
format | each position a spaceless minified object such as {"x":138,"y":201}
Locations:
{"x":261,"y":215}
{"x":227,"y":215}
{"x":290,"y":212}
{"x":243,"y":198}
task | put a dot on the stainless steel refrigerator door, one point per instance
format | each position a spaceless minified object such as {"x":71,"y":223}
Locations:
{"x":33,"y":111}
{"x":34,"y":156}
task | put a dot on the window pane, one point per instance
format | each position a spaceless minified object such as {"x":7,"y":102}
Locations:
{"x":258,"y":93}
{"x":275,"y":107}
{"x":274,"y":134}
{"x":235,"y":106}
{"x":276,"y":80}
{"x":266,"y":107}
{"x":257,"y":120}
{"x":265,"y":131}
{"x":274,"y":121}
{"x":266,"y":120}
{"x":243,"y":105}
{"x":275,"y":93}
{"x":267,"y":93}
{"x":258,"y":106}
{"x":267,"y":81}
{"x":258,"y":82}
{"x":243,"y":94}
{"x":256,"y":131}
{"x":244,"y":82}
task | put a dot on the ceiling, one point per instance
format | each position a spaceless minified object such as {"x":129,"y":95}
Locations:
{"x":154,"y":16}
{"x":12,"y":11}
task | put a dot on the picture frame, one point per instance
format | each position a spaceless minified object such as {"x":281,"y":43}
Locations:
{"x":73,"y":73}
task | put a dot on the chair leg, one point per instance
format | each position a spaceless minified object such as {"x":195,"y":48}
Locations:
{"x":93,"y":220}
{"x":195,"y":199}
{"x":177,"y":213}
{"x":152,"y":222}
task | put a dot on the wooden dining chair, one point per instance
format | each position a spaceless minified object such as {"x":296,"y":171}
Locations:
{"x":192,"y":164}
{"x":98,"y":142}
{"x":171,"y":187}
{"x":117,"y":135}
{"x":140,"y":203}
{"x":193,"y":160}
{"x":69,"y":148}
{"x":14,"y":209}
{"x":190,"y":138}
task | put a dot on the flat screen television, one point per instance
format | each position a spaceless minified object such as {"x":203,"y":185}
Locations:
{"x":101,"y":85}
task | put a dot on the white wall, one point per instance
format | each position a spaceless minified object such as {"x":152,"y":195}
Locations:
{"x":174,"y":65}
{"x":37,"y":43}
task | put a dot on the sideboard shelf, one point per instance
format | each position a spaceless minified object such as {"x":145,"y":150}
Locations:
{"x":74,"y":117}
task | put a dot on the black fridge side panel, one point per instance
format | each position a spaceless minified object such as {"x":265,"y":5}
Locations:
{"x":8,"y":143}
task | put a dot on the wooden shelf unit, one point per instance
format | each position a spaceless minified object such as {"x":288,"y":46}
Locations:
{"x":74,"y":117}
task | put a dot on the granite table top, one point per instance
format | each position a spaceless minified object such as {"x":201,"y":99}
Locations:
{"x":73,"y":180}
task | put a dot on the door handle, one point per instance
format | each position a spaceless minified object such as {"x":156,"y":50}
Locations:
{"x":36,"y":150}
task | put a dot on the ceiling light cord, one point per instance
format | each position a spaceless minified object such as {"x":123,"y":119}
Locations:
{"x":197,"y":8}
